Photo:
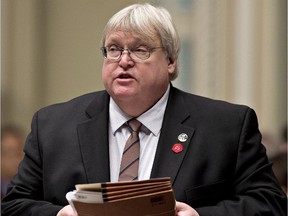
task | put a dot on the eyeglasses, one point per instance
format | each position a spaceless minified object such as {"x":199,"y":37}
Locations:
{"x":114,"y":53}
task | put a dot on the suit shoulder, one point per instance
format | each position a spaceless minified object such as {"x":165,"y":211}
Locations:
{"x":210,"y":105}
{"x":216,"y":112}
{"x":78,"y":104}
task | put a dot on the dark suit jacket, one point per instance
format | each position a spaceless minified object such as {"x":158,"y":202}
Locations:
{"x":223,"y":169}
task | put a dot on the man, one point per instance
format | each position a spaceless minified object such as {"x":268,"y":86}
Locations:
{"x":211,"y":149}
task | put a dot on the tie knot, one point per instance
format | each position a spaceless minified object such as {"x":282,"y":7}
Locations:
{"x":134,"y":124}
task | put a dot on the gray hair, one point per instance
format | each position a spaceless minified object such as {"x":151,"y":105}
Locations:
{"x":147,"y":21}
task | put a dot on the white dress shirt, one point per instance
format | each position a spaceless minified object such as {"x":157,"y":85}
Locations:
{"x":149,"y":135}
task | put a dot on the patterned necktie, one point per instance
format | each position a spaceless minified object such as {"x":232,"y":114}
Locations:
{"x":130,"y":158}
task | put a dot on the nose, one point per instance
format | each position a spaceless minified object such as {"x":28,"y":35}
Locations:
{"x":126,"y":51}
{"x":125,"y":59}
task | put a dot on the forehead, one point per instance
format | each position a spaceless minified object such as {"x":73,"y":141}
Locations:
{"x":124,"y":37}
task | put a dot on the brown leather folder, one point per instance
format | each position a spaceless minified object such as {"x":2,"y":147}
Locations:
{"x":153,"y":197}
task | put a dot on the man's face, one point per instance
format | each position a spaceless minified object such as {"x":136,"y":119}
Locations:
{"x":129,"y":80}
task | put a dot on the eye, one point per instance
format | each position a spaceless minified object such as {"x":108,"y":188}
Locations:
{"x":141,"y":50}
{"x":112,"y":48}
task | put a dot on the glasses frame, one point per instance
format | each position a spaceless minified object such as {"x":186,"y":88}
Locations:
{"x":129,"y":51}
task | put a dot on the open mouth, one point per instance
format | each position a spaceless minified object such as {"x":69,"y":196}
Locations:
{"x":124,"y":76}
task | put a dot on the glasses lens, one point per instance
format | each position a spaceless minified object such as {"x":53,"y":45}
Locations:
{"x":113,"y":52}
{"x":141,"y":53}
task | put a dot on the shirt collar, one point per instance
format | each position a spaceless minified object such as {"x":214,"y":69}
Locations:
{"x":152,"y":119}
{"x":117,"y":116}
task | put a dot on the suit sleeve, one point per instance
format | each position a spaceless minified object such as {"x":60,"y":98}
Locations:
{"x":256,"y":190}
{"x":25,"y":195}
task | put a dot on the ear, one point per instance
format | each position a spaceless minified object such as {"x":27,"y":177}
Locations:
{"x":171,"y":65}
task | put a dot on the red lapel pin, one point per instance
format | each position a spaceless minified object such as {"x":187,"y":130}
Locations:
{"x":177,"y":148}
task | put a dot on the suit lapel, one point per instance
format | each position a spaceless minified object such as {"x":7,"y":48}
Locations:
{"x":93,"y":140}
{"x":95,"y":148}
{"x":167,"y":162}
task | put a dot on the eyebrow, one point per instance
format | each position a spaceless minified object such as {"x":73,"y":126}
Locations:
{"x":131,"y":45}
{"x":137,"y":40}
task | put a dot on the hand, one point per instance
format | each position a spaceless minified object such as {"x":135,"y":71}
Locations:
{"x":182,"y":209}
{"x":67,"y":211}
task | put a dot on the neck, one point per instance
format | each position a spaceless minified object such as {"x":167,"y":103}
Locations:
{"x":135,"y":108}
{"x":137,"y":105}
